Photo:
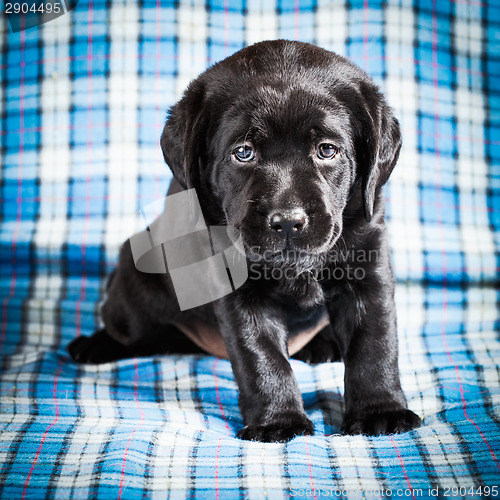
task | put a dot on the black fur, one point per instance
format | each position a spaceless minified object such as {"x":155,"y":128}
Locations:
{"x":283,"y":99}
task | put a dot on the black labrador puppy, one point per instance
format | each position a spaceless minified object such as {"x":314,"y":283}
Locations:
{"x":290,"y":144}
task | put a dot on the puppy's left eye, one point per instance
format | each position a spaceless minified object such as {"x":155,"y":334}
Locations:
{"x":327,"y":151}
{"x":244,"y":153}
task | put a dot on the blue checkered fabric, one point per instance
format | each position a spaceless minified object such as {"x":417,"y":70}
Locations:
{"x":83,"y":101}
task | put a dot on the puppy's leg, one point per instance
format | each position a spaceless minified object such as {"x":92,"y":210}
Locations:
{"x":137,"y":314}
{"x":102,"y":348}
{"x":256,"y":340}
{"x":323,"y":348}
{"x":98,"y":348}
{"x":366,"y":324}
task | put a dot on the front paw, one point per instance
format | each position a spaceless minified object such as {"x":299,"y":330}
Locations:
{"x":375,"y":423}
{"x":280,"y":430}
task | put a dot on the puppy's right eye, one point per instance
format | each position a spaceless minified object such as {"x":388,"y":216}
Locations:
{"x":327,"y":151}
{"x":244,"y":153}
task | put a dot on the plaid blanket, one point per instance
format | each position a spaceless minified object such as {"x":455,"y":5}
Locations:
{"x":83,"y":100}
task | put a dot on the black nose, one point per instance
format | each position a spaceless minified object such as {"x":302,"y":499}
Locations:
{"x":288,"y":224}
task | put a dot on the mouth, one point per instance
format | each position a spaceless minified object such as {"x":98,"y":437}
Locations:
{"x":289,"y":249}
{"x":285,"y":255}
{"x":272,"y":250}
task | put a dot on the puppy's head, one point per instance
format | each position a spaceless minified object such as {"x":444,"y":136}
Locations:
{"x":278,"y":140}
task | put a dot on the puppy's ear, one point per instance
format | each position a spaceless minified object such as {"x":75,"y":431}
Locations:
{"x":378,"y":147}
{"x":183,"y":141}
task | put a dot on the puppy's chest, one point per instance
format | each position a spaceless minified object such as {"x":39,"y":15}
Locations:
{"x":302,"y":319}
{"x":304,"y":291}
